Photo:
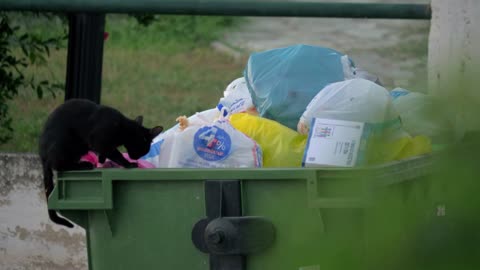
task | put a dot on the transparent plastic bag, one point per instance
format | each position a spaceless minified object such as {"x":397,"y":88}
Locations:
{"x":283,"y":81}
{"x":422,"y":115}
{"x":364,"y":101}
{"x":356,"y":100}
{"x":162,"y":146}
{"x":216,"y":145}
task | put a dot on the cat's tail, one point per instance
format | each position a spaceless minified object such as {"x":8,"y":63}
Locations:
{"x":48,"y":182}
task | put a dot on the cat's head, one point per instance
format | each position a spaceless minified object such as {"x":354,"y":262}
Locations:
{"x":139,"y":138}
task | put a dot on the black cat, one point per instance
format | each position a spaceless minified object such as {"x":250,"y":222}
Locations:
{"x":78,"y":126}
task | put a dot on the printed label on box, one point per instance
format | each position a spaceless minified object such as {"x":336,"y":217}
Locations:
{"x":333,"y":143}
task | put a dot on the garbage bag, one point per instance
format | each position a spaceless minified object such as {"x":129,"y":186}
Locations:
{"x":283,"y":81}
{"x":236,"y":98}
{"x":93,"y":159}
{"x":356,"y":100}
{"x":414,"y":146}
{"x":364,"y":101}
{"x":217,"y":145}
{"x":422,"y":115}
{"x":281,"y":146}
{"x":161,"y":148}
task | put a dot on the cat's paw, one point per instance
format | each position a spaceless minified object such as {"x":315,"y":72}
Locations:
{"x":131,"y":165}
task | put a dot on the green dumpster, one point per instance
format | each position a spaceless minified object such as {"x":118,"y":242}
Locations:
{"x":305,"y":219}
{"x":253,"y":219}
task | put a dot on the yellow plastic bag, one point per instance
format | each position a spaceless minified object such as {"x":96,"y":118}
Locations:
{"x":416,"y":146}
{"x":399,"y":149}
{"x":281,"y":146}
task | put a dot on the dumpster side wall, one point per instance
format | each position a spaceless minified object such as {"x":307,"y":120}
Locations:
{"x":28,"y":240}
{"x":454,"y":59}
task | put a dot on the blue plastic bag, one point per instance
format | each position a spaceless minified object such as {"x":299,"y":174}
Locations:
{"x":283,"y":81}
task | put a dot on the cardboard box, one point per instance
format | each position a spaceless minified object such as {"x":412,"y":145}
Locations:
{"x":335,"y":143}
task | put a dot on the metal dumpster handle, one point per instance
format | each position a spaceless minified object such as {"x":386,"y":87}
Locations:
{"x":225,"y":234}
{"x":233,"y":235}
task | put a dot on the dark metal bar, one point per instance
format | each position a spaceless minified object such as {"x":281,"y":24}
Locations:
{"x":223,"y":199}
{"x":85,"y":56}
{"x":228,"y":8}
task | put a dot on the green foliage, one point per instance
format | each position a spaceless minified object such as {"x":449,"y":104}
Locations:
{"x":165,"y":33}
{"x":26,"y":41}
{"x":160,"y":73}
{"x":18,"y":50}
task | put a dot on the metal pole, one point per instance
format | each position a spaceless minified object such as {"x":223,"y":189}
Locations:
{"x":228,"y":8}
{"x":85,"y":56}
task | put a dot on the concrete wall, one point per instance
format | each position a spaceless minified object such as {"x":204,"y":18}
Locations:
{"x":454,"y":59}
{"x":28,"y":240}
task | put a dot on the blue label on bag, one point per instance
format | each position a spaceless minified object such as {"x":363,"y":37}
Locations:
{"x":398,"y":92}
{"x":155,"y":149}
{"x":212,"y":143}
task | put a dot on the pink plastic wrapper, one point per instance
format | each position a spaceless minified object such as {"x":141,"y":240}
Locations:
{"x":92,"y":158}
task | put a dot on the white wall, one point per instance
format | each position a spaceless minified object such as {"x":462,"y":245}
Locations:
{"x":454,"y":59}
{"x":28,"y":240}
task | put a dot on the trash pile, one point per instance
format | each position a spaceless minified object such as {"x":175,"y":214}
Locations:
{"x":301,"y":106}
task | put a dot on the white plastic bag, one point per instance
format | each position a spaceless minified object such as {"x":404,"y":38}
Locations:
{"x":217,"y":145}
{"x":234,"y":86}
{"x":421,"y":115}
{"x":202,"y":118}
{"x":357,"y":100}
{"x":236,"y":98}
{"x":161,"y":148}
{"x":351,"y":72}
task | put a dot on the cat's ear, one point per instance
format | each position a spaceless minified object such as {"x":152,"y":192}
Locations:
{"x":139,"y":119}
{"x":155,"y":131}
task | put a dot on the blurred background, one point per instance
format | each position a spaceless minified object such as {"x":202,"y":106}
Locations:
{"x":163,"y":66}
